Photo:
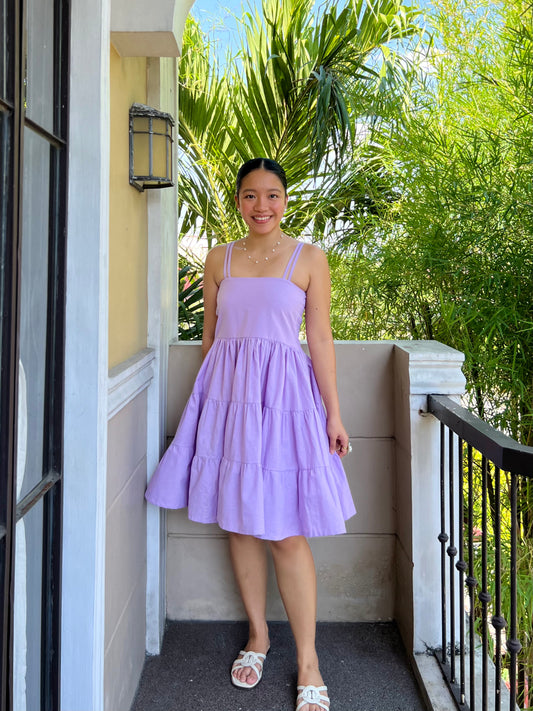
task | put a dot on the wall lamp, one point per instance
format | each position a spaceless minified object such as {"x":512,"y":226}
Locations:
{"x":150,"y":148}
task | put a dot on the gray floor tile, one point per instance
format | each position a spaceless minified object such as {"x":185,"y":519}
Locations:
{"x":364,"y":666}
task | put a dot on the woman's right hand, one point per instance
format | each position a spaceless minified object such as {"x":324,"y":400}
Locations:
{"x":339,"y":440}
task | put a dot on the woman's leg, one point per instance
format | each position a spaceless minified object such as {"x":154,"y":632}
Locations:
{"x":248,"y":558}
{"x":295,"y":572}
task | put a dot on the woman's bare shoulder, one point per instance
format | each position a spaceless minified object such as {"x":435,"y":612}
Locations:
{"x":312,"y":265}
{"x":216,"y":253}
{"x":214,"y":262}
{"x":215,"y":257}
{"x":314,"y":257}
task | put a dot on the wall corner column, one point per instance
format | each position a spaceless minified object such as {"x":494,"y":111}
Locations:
{"x":86,"y":362}
{"x":422,"y":368}
{"x":162,"y":329}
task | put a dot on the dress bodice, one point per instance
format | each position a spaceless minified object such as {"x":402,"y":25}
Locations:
{"x":260,"y":307}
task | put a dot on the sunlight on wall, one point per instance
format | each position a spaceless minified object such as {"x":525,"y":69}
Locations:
{"x":128,"y":229}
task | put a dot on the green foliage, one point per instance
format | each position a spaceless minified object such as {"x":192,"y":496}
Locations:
{"x":294,"y":92}
{"x":452,"y":257}
{"x":190,"y":300}
{"x":498,"y":525}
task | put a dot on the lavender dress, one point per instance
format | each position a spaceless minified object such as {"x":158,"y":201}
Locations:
{"x":251,"y":451}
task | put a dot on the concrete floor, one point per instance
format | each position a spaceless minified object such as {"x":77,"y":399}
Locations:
{"x":364,"y":665}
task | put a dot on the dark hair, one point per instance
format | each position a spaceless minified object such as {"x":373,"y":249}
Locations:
{"x":256,"y":164}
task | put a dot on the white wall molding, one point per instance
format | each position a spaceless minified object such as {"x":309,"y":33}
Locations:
{"x":141,"y":29}
{"x":128,"y":379}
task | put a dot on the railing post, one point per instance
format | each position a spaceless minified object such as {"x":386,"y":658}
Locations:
{"x":421,"y":368}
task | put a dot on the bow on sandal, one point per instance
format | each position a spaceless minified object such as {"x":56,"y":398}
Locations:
{"x":311,"y":695}
{"x":249,"y":659}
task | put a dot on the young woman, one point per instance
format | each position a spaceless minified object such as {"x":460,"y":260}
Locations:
{"x":259,"y":445}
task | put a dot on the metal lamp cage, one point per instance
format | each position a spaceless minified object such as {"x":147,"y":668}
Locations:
{"x":150,"y":148}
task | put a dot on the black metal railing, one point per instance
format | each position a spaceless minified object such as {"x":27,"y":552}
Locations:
{"x":486,"y":549}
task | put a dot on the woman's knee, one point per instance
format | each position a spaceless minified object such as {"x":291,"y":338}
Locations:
{"x":244,"y":541}
{"x":288,"y":546}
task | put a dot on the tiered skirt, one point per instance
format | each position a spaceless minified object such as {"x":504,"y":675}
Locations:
{"x":251,"y":451}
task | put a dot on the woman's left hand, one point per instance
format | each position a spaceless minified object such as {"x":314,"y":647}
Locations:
{"x":338,"y":437}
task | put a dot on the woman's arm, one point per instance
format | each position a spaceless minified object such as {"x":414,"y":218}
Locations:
{"x":321,"y":348}
{"x":212,"y":277}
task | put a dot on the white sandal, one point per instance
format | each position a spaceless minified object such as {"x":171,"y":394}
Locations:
{"x":254,"y":660}
{"x":311,"y":695}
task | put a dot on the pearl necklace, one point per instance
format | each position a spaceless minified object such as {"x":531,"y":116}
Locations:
{"x":252,"y":258}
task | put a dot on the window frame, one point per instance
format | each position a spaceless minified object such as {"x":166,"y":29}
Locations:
{"x":49,"y":489}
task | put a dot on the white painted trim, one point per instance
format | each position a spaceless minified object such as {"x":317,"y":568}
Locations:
{"x":141,"y":29}
{"x":86,"y":361}
{"x":162,"y":327}
{"x":128,"y":379}
{"x":142,"y":44}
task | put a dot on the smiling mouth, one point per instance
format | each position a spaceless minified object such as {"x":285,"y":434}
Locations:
{"x":262,"y":219}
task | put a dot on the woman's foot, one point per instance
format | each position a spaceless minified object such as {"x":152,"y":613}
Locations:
{"x":312,"y":694}
{"x":246,"y":671}
{"x":312,"y":697}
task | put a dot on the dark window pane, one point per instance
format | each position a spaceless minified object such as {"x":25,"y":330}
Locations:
{"x":27,"y":610}
{"x":5,"y":192}
{"x":3,"y":49}
{"x":40,"y":63}
{"x":6,"y":277}
{"x":33,"y":312}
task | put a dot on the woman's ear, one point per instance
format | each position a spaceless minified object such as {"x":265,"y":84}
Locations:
{"x":237,"y":202}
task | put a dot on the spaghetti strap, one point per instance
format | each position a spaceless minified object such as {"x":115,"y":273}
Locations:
{"x":287,"y":274}
{"x":227,"y":260}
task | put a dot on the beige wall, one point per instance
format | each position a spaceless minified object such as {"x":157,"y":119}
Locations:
{"x":356,"y":572}
{"x":125,"y":593}
{"x":128,"y":226}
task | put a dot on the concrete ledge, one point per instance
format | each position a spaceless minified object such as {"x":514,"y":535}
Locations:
{"x":436,"y":691}
{"x":432,"y":684}
{"x":432,"y":363}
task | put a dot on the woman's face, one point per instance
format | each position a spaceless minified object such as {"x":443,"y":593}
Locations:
{"x":261,"y":201}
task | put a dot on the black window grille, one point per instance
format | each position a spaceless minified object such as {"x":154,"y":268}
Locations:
{"x":34,"y":45}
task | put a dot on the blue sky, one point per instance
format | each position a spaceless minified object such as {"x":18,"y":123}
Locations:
{"x":217,"y":16}
{"x":222,"y":9}
{"x":215,"y":8}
